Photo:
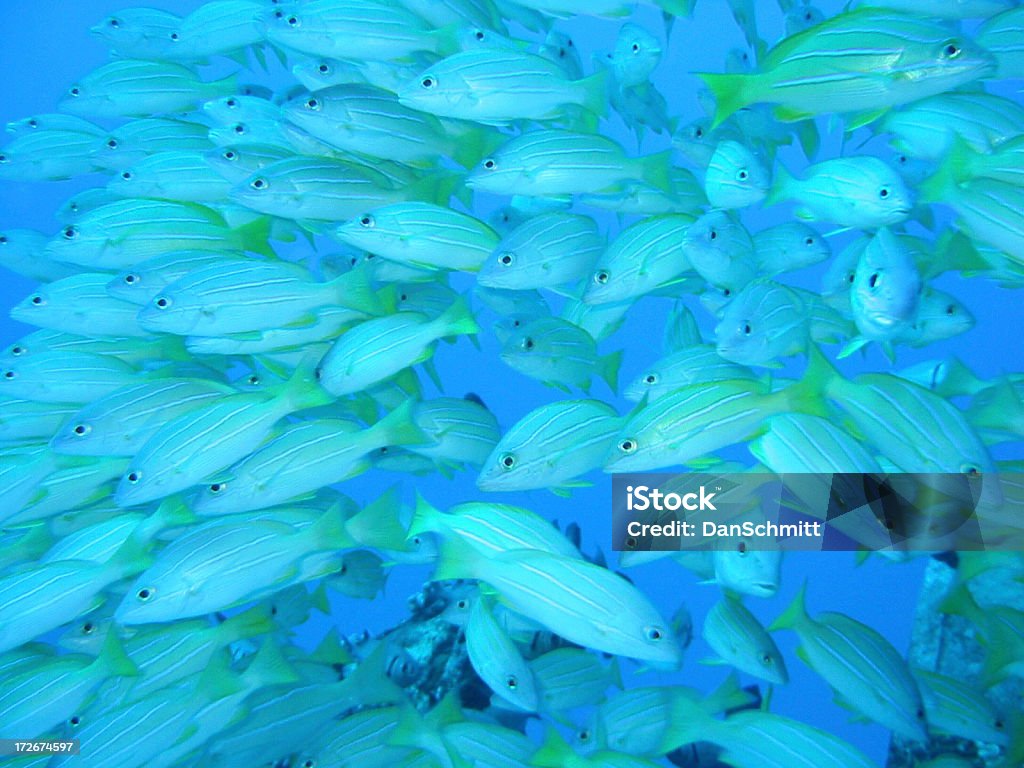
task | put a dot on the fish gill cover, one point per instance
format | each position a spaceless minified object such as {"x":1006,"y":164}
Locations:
{"x":346,"y":292}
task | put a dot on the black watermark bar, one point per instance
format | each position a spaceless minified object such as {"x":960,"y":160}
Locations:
{"x":824,"y":512}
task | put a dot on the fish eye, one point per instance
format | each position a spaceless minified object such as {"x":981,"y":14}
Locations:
{"x":602,"y":277}
{"x":636,"y":48}
{"x":74,"y":720}
{"x":174,"y":36}
{"x":747,"y":330}
{"x":883,"y":193}
{"x":318,"y":373}
{"x":3,"y":239}
{"x":17,"y":350}
{"x":508,"y":460}
{"x":38,"y":300}
{"x":131,"y":279}
{"x":324,"y":69}
{"x":70,"y":233}
{"x":742,"y":174}
{"x":951,"y":50}
{"x":462,"y":604}
{"x":766,"y":659}
{"x":231,"y":103}
{"x":698,"y":133}
{"x":239,"y":128}
{"x":970,"y":469}
{"x":127,"y":175}
{"x":112,"y":143}
{"x":583,"y":736}
{"x":253,"y":380}
{"x":506,"y":259}
{"x":651,"y":378}
{"x":850,"y":277}
{"x":309,"y":764}
{"x":3,"y":158}
{"x":428,"y":82}
{"x":113,"y":22}
{"x":951,"y":310}
{"x":229,"y":155}
{"x":367,"y":221}
{"x":75,"y":90}
{"x":511,"y":682}
{"x":32,"y":123}
{"x":713,"y":235}
{"x":528,"y":343}
{"x":490,"y":165}
{"x":294,"y":21}
{"x":873,"y":280}
{"x":145,"y":594}
{"x":81,"y":430}
{"x":133,"y":477}
{"x":88,"y":628}
{"x":628,"y":445}
{"x":479,"y":35}
{"x":313,"y":104}
{"x":808,"y":241}
{"x":259,"y":183}
{"x":217,"y":487}
{"x":653,"y":633}
{"x":727,"y":292}
{"x":999,"y":724}
{"x":9,"y":374}
{"x":919,"y":713}
{"x":161,"y":302}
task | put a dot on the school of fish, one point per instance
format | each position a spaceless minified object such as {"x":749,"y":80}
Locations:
{"x":291,"y":204}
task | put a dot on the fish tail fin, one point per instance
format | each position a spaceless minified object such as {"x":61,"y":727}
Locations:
{"x":473,"y":146}
{"x":960,"y":602}
{"x":1002,"y":648}
{"x":809,"y":138}
{"x":456,"y":560}
{"x":608,"y":369}
{"x":255,"y":237}
{"x":226,"y":86}
{"x":399,"y":427}
{"x":958,"y":159}
{"x":656,"y":170}
{"x":302,"y":390}
{"x":730,"y":92}
{"x":808,"y":394}
{"x":331,"y":651}
{"x":781,"y":186}
{"x":446,"y":39}
{"x":328,"y":532}
{"x":554,"y":752}
{"x":378,"y":524}
{"x":728,"y":696}
{"x":595,"y":93}
{"x":438,"y":188}
{"x":269,"y":667}
{"x":426,"y":518}
{"x":938,"y":186}
{"x":353,"y":290}
{"x":795,"y":614}
{"x":112,"y":657}
{"x":458,"y":319}
{"x":251,"y":623}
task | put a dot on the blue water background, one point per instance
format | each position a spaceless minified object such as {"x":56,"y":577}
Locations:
{"x":45,"y":46}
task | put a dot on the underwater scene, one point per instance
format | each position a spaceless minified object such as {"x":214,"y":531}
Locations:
{"x":327,"y":325}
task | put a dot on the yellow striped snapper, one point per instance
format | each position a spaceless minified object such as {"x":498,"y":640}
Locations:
{"x":329,"y":189}
{"x":48,"y":155}
{"x":763,"y":322}
{"x":372,"y":121}
{"x":643,"y":199}
{"x":21,"y":251}
{"x":422,"y":235}
{"x":1000,"y":35}
{"x":138,"y":139}
{"x":25,"y":421}
{"x":735,"y":634}
{"x":691,"y":365}
{"x":559,"y":354}
{"x":735,"y":177}
{"x":720,"y":250}
{"x":644,"y":256}
{"x":137,"y":87}
{"x":862,"y":192}
{"x":137,"y":33}
{"x":860,"y":665}
{"x":345,"y":29}
{"x":459,"y":430}
{"x":244,"y":296}
{"x":219,"y":28}
{"x":236,"y":163}
{"x":170,"y":460}
{"x":497,"y":660}
{"x":799,"y":441}
{"x":551,"y":162}
{"x":377,"y":349}
{"x":77,"y":206}
{"x":303,"y":458}
{"x":788,"y":247}
{"x":866,"y":60}
{"x":543,"y":252}
{"x":141,"y":282}
{"x":550,"y":447}
{"x":64,"y":377}
{"x":181,"y":176}
{"x":943,"y":9}
{"x":79,"y":304}
{"x":954,"y":707}
{"x":120,"y":234}
{"x":987,"y":210}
